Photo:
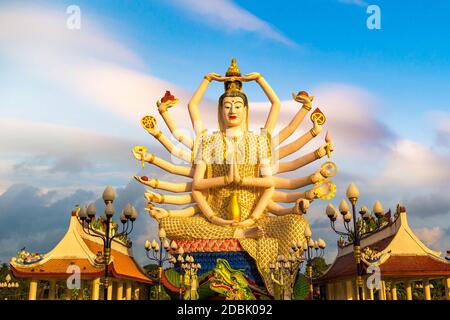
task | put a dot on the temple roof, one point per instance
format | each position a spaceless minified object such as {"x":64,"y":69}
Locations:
{"x":78,"y":248}
{"x":399,"y":254}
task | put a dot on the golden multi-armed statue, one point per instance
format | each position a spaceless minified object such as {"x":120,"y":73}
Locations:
{"x":235,"y":192}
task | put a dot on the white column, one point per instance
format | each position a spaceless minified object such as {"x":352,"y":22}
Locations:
{"x":447,"y":288}
{"x":329,"y":291}
{"x":383,"y":290}
{"x":95,"y":289}
{"x":33,"y":289}
{"x":119,"y":290}
{"x":349,"y":290}
{"x":110,"y":290}
{"x":137,"y":293}
{"x":128,"y":291}
{"x":52,"y":290}
{"x":394,"y":291}
{"x":408,"y":288}
{"x":372,"y":296}
{"x":426,"y":289}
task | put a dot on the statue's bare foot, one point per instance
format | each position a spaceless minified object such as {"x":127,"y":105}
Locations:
{"x":252,"y":232}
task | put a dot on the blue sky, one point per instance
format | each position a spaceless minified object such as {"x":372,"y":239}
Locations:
{"x":385,"y":92}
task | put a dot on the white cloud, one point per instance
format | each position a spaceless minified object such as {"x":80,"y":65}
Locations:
{"x":56,"y":156}
{"x":44,"y":30}
{"x":430,"y":236}
{"x":351,"y":120}
{"x":226,"y":15}
{"x":411,"y":164}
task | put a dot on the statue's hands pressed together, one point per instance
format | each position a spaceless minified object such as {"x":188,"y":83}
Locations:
{"x":229,"y":178}
{"x":236,"y":177}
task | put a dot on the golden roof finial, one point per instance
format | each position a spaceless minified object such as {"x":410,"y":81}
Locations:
{"x":233,"y":69}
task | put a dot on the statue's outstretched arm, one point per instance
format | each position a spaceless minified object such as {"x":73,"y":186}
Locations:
{"x":279,"y":210}
{"x":201,"y":183}
{"x":280,"y":196}
{"x":160,"y":213}
{"x":321,"y":190}
{"x":292,"y":184}
{"x":163,"y":164}
{"x":177,"y":152}
{"x":306,"y":100}
{"x":266,"y":181}
{"x":304,"y":160}
{"x":197,"y":98}
{"x":163,"y":109}
{"x":198,"y":196}
{"x":164,"y":185}
{"x":273,"y":98}
{"x":168,"y":198}
{"x":300,"y":142}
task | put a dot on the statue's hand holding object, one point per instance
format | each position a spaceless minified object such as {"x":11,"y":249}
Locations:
{"x":303,"y":97}
{"x":158,"y":213}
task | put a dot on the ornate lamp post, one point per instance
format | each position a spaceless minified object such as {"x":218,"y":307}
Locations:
{"x":155,"y":253}
{"x":359,"y":229}
{"x":177,"y":261}
{"x":312,"y":249}
{"x":190,"y":270}
{"x":282,"y":270}
{"x":8,"y":285}
{"x":86,"y":218}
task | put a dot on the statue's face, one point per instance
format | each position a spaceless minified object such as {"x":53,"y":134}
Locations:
{"x":233,"y":111}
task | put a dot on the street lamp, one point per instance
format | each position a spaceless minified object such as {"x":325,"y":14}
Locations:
{"x":8,"y":285}
{"x":190,"y":270}
{"x":156,"y":250}
{"x":86,"y":217}
{"x":283,"y":270}
{"x":360,"y":226}
{"x":177,"y":261}
{"x":312,"y":249}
